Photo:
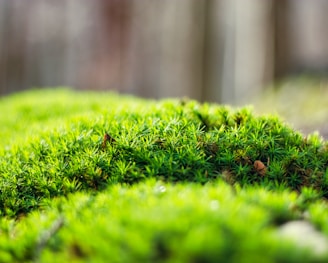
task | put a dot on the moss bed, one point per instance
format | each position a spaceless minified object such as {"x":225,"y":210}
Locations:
{"x":98,"y":177}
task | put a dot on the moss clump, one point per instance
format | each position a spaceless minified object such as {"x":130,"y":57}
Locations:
{"x":89,"y":177}
{"x":170,"y":140}
{"x":161,"y":222}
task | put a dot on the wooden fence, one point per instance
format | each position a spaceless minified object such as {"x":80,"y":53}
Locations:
{"x":214,"y":50}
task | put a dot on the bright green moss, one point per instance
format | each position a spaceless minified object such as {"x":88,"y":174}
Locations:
{"x":52,"y":147}
{"x":170,"y":140}
{"x":158,"y":222}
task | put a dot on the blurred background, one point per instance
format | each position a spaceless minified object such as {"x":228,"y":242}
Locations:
{"x":225,"y":51}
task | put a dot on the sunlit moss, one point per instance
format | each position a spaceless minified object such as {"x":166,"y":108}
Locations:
{"x":115,"y":168}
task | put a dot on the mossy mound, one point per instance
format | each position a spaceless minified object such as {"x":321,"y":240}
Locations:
{"x":100,"y":140}
{"x":160,"y":181}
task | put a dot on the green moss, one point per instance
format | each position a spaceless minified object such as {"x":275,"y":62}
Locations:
{"x":159,"y":222}
{"x":59,"y":144}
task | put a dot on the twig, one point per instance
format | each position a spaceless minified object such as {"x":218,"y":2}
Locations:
{"x":46,"y":235}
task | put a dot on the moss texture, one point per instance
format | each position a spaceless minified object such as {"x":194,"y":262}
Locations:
{"x":91,"y":177}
